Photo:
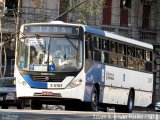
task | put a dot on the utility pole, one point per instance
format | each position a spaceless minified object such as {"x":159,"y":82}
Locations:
{"x":1,"y":44}
{"x":18,"y":20}
{"x":2,"y":13}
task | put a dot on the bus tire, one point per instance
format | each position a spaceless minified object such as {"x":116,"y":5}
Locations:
{"x":94,"y":99}
{"x":36,"y":105}
{"x":130,"y":103}
{"x":126,"y":108}
{"x":20,"y":105}
{"x":70,"y":107}
{"x":76,"y":106}
{"x":4,"y":106}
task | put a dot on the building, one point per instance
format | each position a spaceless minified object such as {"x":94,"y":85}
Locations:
{"x":139,"y":19}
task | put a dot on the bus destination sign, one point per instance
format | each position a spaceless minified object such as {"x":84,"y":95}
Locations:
{"x":52,"y":29}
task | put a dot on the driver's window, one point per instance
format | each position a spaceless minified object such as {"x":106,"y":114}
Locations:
{"x":33,"y":55}
{"x":23,"y":55}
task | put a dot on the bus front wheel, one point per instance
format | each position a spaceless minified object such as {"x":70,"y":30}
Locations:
{"x":21,"y":104}
{"x":4,"y":106}
{"x":94,"y":99}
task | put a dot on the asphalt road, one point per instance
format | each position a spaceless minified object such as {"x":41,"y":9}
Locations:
{"x":27,"y":114}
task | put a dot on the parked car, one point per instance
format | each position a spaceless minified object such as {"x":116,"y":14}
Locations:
{"x":157,"y":107}
{"x":8,"y":94}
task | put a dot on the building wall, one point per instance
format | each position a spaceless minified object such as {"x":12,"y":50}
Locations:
{"x":134,"y":16}
{"x":39,"y":10}
{"x":135,"y":6}
{"x":48,"y":4}
{"x":158,"y":22}
{"x":115,"y":12}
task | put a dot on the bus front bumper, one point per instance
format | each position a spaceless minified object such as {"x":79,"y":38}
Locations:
{"x":33,"y":93}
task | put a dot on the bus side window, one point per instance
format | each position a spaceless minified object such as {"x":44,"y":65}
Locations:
{"x":97,"y":43}
{"x":121,"y":55}
{"x":105,"y":49}
{"x":148,"y":55}
{"x":97,"y":49}
{"x":92,"y":47}
{"x":139,"y":59}
{"x":87,"y":46}
{"x":113,"y":54}
{"x":105,"y":45}
{"x":148,"y":62}
{"x":131,"y":55}
{"x":131,"y":51}
{"x":139,"y":53}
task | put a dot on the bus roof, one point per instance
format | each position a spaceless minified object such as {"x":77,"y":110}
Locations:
{"x":100,"y":33}
{"x":117,"y":37}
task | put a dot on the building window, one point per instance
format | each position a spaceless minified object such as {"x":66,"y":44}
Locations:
{"x":124,"y":6}
{"x":64,"y":4}
{"x":11,"y":7}
{"x":146,"y":16}
{"x":107,"y":10}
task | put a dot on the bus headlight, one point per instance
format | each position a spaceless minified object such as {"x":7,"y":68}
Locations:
{"x":22,"y":83}
{"x":74,"y":83}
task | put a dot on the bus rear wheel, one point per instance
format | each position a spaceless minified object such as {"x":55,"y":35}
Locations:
{"x":94,"y":99}
{"x":130,"y":104}
{"x":36,"y":105}
{"x":126,"y":108}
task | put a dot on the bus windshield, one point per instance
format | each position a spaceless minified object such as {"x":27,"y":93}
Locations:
{"x":50,"y":54}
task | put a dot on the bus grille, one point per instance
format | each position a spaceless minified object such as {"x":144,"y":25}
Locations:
{"x":49,"y":78}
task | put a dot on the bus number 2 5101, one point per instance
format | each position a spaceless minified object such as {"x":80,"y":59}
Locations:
{"x":54,"y":85}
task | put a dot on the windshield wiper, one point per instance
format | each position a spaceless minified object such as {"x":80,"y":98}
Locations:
{"x":76,"y":54}
{"x":71,"y":42}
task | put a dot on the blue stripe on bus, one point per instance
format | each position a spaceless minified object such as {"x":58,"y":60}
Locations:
{"x":96,"y":74}
{"x":94,"y":31}
{"x":34,"y":84}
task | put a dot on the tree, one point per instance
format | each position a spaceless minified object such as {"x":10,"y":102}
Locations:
{"x":88,"y":13}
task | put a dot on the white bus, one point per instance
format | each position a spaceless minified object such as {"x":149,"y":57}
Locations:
{"x":82,"y":67}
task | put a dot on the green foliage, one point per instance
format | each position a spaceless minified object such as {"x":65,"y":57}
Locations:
{"x":89,"y":11}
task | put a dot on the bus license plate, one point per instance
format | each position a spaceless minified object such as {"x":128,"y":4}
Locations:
{"x":54,"y":85}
